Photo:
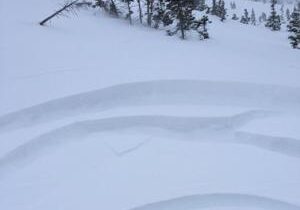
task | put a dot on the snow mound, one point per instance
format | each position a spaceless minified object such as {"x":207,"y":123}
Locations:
{"x":210,"y":201}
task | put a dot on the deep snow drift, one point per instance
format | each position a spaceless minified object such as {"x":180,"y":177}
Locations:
{"x":97,"y":114}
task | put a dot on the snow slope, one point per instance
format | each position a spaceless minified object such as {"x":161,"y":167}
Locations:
{"x":97,"y":114}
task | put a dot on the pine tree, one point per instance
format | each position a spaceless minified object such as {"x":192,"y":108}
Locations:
{"x":201,"y":27}
{"x":201,"y":5}
{"x":159,"y":8}
{"x":180,"y":12}
{"x":282,"y":19}
{"x":149,"y":11}
{"x":294,"y":28}
{"x":196,"y":3}
{"x":109,"y":6}
{"x":263,"y":17}
{"x":232,"y":5}
{"x":113,"y":8}
{"x":253,"y":17}
{"x":214,"y":7}
{"x":221,"y":10}
{"x":288,"y":14}
{"x":273,"y":22}
{"x":245,"y":18}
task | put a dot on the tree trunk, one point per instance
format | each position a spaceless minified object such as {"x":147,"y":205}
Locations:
{"x":149,"y":12}
{"x":129,"y":12}
{"x":140,"y":11}
{"x":181,"y":20}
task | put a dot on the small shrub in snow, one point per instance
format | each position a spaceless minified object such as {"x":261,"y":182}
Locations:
{"x":234,"y":17}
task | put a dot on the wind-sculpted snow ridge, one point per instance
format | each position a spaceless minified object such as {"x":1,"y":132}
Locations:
{"x":220,"y":129}
{"x":207,"y":201}
{"x":285,"y":145}
{"x":161,"y":92}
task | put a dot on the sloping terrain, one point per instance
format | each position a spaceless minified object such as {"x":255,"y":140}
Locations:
{"x":97,"y":114}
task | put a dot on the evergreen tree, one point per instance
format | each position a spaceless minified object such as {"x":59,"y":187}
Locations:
{"x":214,"y":7}
{"x":159,"y":8}
{"x":263,"y":17}
{"x":253,"y":17}
{"x":273,"y":21}
{"x":196,"y":3}
{"x":180,"y":12}
{"x":99,"y":3}
{"x":282,"y":19}
{"x":288,"y":14}
{"x":201,"y":5}
{"x":245,"y":19}
{"x":218,"y":9}
{"x":201,"y":27}
{"x":294,"y":28}
{"x":232,"y":5}
{"x":149,"y":11}
{"x":221,"y":10}
{"x":109,"y":6}
{"x":113,"y":8}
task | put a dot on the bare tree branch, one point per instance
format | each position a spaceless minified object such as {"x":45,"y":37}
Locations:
{"x":66,"y":7}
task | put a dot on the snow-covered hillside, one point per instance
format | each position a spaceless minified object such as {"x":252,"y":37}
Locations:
{"x":98,"y":114}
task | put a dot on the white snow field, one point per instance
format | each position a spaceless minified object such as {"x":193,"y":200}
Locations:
{"x":99,"y":115}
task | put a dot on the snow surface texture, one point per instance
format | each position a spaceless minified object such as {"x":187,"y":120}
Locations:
{"x":157,"y":93}
{"x":215,"y":200}
{"x":96,"y":114}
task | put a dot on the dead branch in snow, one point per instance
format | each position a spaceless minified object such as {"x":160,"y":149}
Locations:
{"x":66,"y":7}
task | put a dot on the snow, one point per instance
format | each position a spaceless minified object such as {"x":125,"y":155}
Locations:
{"x":97,"y":114}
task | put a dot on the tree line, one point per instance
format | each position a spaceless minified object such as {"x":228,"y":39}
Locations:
{"x":183,"y":16}
{"x":175,"y":16}
{"x":275,"y":20}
